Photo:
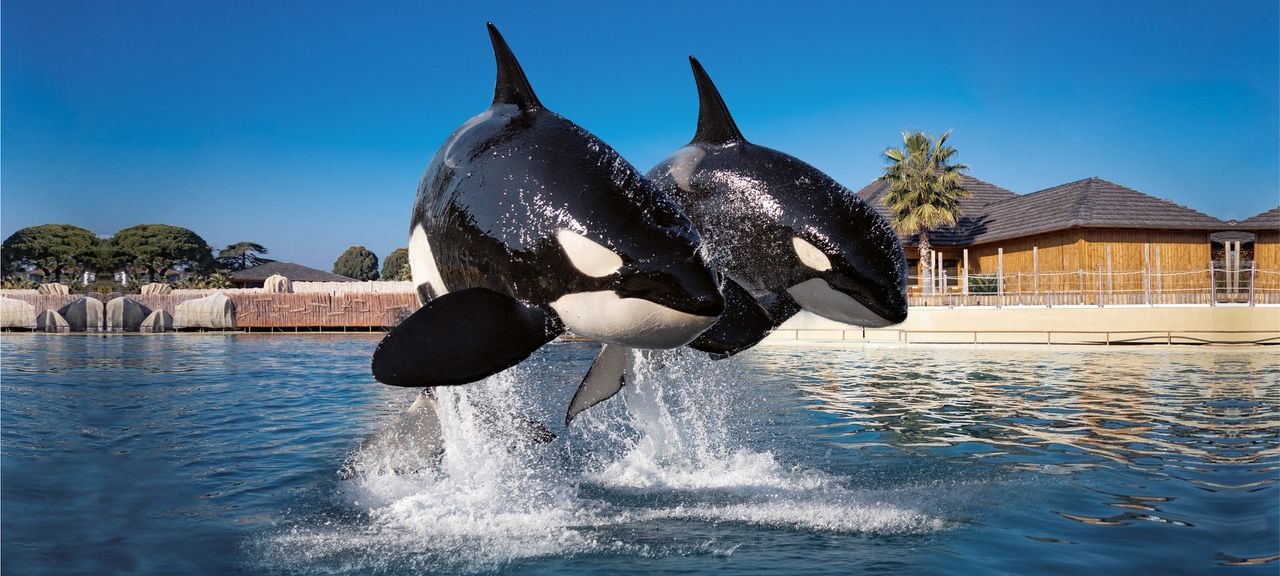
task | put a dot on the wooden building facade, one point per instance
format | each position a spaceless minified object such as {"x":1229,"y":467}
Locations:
{"x":1097,"y":238}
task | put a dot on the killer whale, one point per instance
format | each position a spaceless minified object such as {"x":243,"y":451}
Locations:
{"x":526,"y":225}
{"x":783,"y":235}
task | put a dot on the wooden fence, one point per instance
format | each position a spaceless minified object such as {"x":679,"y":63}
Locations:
{"x":322,"y":310}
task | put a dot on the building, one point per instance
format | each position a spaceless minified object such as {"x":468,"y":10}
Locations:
{"x":1261,"y":242}
{"x":1089,"y":237}
{"x":254,"y":276}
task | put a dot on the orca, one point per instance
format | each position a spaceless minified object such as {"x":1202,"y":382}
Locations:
{"x":786,"y":236}
{"x":525,"y":226}
{"x":783,"y":235}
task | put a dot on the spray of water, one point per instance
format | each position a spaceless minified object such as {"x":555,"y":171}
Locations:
{"x":681,"y":427}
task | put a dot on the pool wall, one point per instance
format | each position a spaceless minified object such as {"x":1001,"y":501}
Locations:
{"x":1056,"y":325}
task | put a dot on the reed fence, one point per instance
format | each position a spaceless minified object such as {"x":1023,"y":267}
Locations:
{"x":266,"y":311}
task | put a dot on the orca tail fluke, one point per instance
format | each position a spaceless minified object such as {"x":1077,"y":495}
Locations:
{"x":715,"y":125}
{"x":512,"y":87}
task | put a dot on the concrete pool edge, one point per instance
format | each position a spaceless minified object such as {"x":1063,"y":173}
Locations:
{"x":1238,"y":325}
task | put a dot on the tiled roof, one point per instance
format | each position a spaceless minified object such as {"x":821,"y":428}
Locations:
{"x":1269,"y":220}
{"x":294,"y":272}
{"x":1088,"y":203}
{"x":981,"y":194}
{"x":993,"y":213}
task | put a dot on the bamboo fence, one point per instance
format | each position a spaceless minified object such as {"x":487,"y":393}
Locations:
{"x":261,"y":310}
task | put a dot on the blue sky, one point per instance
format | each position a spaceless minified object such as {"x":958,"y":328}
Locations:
{"x":305,"y":126}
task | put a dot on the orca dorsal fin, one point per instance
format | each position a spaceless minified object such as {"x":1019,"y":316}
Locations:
{"x":715,"y":125}
{"x":512,"y":86}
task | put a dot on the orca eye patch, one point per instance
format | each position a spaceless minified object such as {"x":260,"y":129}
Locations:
{"x":587,"y":255}
{"x":810,"y":255}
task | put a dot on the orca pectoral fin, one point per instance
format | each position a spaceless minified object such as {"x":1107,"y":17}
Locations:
{"x":462,"y":337}
{"x":743,"y":324}
{"x":605,"y":378}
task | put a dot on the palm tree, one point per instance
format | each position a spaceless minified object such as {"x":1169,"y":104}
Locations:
{"x":924,"y":189}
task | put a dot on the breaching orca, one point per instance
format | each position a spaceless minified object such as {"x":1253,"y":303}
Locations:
{"x":526,"y":225}
{"x":784,"y":235}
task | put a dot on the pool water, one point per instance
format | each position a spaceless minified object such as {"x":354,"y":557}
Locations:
{"x":216,"y":454}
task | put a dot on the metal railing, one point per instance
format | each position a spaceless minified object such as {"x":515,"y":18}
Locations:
{"x":1212,"y":286}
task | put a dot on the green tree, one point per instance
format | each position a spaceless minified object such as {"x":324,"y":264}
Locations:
{"x":155,"y":247}
{"x":924,"y":189}
{"x":396,"y":265}
{"x":241,"y":255}
{"x":357,"y":262}
{"x":218,"y":279}
{"x":53,"y":248}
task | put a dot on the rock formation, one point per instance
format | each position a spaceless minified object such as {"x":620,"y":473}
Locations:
{"x":158,"y":321}
{"x":17,"y":314}
{"x":51,"y":321}
{"x":276,"y":283}
{"x":125,"y":315}
{"x":214,"y":311}
{"x":53,"y":288}
{"x":84,"y":315}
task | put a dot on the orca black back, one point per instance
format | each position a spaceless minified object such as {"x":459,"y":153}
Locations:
{"x":525,"y":205}
{"x":770,"y":222}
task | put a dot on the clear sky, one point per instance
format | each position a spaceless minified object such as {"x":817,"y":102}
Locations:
{"x":305,"y":125}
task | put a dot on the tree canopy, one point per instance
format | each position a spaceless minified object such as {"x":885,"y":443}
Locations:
{"x":52,"y":248}
{"x":155,"y":247}
{"x":924,"y":187}
{"x":396,"y":265}
{"x":357,"y":262}
{"x":241,"y":255}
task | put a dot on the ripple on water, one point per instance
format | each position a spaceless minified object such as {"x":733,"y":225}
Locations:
{"x":838,"y":459}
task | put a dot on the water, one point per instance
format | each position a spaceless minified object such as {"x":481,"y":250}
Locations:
{"x":220,"y":454}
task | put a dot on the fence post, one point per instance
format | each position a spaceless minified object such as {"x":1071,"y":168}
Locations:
{"x":1100,"y":285}
{"x":1080,"y":272}
{"x":1146,"y":277}
{"x":1035,"y":269}
{"x":1000,"y":276}
{"x":964,"y":278}
{"x":940,"y":272}
{"x":1111,"y":284}
{"x":1159,"y":276}
{"x":1213,"y":284}
{"x":1253,"y":277}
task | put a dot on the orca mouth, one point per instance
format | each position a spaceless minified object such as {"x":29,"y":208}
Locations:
{"x":817,"y":296}
{"x":631,"y":322}
{"x":694,"y":292}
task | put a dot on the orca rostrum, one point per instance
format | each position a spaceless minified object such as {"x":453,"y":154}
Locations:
{"x":786,"y":236}
{"x":527,"y":225}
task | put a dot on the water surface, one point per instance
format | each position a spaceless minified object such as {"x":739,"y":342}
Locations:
{"x":220,"y":454}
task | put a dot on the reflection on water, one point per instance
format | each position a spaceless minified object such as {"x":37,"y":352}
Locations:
{"x":219,"y":454}
{"x":1167,"y":420}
